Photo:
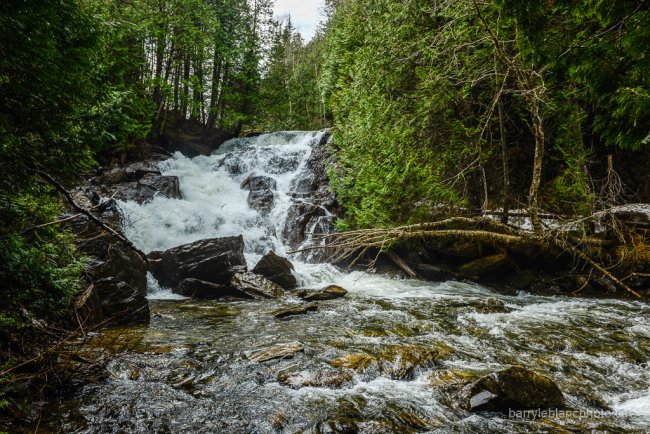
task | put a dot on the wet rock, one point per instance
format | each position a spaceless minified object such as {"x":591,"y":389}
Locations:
{"x":201,"y":289}
{"x":282,"y":351}
{"x":112,"y":177}
{"x":314,"y":205}
{"x":401,"y":362}
{"x":515,"y":388}
{"x":332,"y":379}
{"x":296,"y":310}
{"x":493,"y":305}
{"x":261,"y":200}
{"x":139,"y":182}
{"x":449,"y":377}
{"x":277,"y":269}
{"x":117,"y":275}
{"x":137,"y":170}
{"x":492,"y":267}
{"x":261,"y":196}
{"x":255,"y":285}
{"x":330,"y":292}
{"x":300,"y":216}
{"x":213,"y":260}
{"x":258,"y":182}
{"x":358,"y":362}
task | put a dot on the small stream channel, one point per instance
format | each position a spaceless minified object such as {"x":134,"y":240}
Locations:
{"x":189,"y":369}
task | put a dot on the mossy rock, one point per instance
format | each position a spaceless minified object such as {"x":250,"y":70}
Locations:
{"x":401,"y":362}
{"x":358,"y":362}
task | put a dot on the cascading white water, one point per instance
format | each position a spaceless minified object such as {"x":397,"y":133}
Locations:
{"x":215,"y":205}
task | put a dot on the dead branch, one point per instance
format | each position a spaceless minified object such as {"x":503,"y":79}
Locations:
{"x":47,"y":177}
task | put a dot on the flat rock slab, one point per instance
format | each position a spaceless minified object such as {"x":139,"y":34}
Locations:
{"x":295,"y":310}
{"x":330,"y":292}
{"x":276,"y":352}
{"x":256,"y":286}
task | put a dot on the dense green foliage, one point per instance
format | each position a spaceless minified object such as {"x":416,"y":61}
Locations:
{"x":440,"y":106}
{"x":291,"y":91}
{"x":47,"y":89}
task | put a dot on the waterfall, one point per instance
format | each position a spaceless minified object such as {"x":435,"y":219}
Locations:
{"x":262,"y":187}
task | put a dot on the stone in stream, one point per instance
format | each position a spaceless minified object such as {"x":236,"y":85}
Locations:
{"x":358,"y":362}
{"x":301,"y":309}
{"x":258,"y":182}
{"x":281,"y":351}
{"x":277,"y":269}
{"x":213,"y":260}
{"x":261,"y":200}
{"x":515,"y":388}
{"x":394,"y":361}
{"x":255,"y":285}
{"x":201,"y":289}
{"x":261,"y":196}
{"x":401,"y":362}
{"x":332,"y":379}
{"x":330,"y":292}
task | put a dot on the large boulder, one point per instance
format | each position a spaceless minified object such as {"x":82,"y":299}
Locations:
{"x":117,"y":275}
{"x":255,"y":285}
{"x":515,"y":388}
{"x":139,"y":182}
{"x":258,"y":182}
{"x":277,"y":269}
{"x":261,"y":196}
{"x":213,"y":260}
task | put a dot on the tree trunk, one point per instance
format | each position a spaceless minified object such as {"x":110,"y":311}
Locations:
{"x":505,"y":191}
{"x":538,"y":132}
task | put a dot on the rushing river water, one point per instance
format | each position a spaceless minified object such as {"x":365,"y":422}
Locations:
{"x":188,"y":370}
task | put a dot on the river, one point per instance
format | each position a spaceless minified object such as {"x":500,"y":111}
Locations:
{"x":189,"y":369}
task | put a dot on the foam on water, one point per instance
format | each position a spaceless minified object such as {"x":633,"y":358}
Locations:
{"x":639,"y":406}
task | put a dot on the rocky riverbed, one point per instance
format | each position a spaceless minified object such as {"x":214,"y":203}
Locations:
{"x":242,"y":339}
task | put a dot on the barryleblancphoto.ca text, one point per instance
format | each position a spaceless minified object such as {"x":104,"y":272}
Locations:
{"x":565,"y":414}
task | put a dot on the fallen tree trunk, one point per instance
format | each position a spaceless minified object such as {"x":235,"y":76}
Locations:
{"x":342,"y":246}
